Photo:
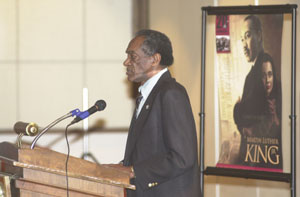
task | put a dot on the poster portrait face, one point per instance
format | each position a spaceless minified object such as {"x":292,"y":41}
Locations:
{"x":251,"y":38}
{"x":267,"y":77}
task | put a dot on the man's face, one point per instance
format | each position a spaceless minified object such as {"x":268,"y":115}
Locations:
{"x":138,"y":64}
{"x":251,"y":41}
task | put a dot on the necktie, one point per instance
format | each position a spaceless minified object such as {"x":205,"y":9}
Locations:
{"x":137,"y":103}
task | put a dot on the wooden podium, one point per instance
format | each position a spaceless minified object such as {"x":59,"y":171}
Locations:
{"x":41,"y":173}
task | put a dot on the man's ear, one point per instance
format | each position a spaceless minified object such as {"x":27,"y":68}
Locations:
{"x":156,"y":59}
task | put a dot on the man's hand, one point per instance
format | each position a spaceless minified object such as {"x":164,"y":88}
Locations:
{"x":247,"y":132}
{"x":238,"y":100}
{"x":272,"y":110}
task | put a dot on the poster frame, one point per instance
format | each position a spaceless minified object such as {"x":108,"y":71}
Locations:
{"x":272,"y":176}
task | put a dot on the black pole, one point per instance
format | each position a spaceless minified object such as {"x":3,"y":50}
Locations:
{"x":293,"y":107}
{"x":203,"y":39}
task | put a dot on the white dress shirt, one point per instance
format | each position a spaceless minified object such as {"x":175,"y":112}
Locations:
{"x":147,"y":87}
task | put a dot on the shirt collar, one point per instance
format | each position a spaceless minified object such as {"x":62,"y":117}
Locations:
{"x":146,"y":88}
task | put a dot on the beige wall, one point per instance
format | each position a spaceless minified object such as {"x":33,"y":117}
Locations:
{"x":50,"y":50}
{"x":181,"y":20}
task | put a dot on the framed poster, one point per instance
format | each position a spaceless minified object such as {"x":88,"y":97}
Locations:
{"x":248,"y":78}
{"x":249,"y":93}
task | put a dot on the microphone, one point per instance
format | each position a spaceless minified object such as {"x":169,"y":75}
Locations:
{"x":99,"y":106}
{"x":30,"y":129}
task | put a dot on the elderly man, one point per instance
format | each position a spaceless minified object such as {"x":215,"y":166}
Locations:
{"x":161,"y":149}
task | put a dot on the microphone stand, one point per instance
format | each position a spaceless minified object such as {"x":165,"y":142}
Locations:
{"x":75,"y":112}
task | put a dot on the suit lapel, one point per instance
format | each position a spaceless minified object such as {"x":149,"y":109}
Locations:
{"x":137,"y":124}
{"x":130,"y":140}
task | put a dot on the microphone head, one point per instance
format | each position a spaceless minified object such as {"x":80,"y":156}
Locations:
{"x":30,"y":129}
{"x":100,"y":105}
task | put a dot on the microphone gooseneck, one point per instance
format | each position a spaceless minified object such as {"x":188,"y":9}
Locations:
{"x":99,"y":106}
{"x":72,"y":113}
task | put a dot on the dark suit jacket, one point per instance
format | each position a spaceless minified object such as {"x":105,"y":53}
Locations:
{"x":252,"y":104}
{"x":162,"y":144}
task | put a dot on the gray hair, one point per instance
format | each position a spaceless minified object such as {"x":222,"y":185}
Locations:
{"x":157,"y":42}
